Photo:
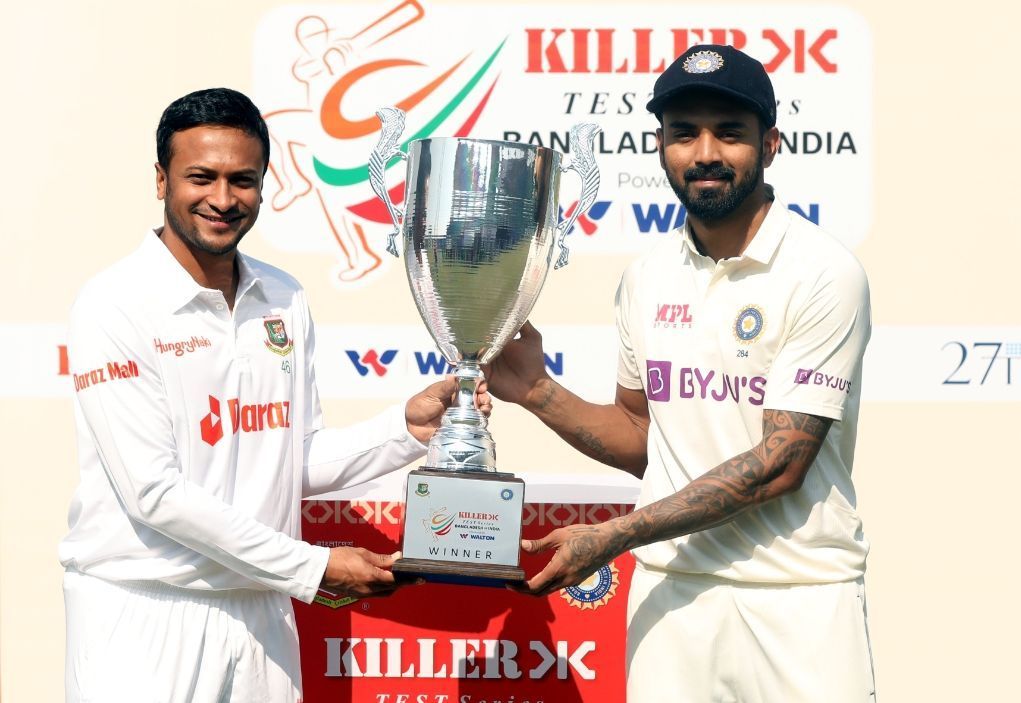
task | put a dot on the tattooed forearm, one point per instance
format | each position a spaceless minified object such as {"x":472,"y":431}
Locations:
{"x":547,"y":398}
{"x":777,"y":465}
{"x":591,"y":445}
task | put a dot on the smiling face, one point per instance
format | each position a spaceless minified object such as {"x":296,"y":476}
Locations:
{"x":211,"y":188}
{"x":713,"y":151}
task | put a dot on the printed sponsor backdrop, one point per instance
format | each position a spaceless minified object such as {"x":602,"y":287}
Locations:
{"x":890,"y":140}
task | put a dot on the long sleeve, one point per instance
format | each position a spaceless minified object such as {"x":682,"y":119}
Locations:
{"x":129,"y":421}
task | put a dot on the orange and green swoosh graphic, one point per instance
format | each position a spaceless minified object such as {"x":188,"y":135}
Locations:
{"x":441,"y":523}
{"x":341,"y":128}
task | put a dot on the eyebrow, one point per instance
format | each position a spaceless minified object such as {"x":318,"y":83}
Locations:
{"x":729,"y":124}
{"x":198,"y":168}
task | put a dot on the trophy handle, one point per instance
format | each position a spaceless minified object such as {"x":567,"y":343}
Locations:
{"x":583,"y":162}
{"x":386,"y":149}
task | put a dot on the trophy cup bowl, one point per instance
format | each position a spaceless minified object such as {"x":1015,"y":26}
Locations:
{"x":479,"y":227}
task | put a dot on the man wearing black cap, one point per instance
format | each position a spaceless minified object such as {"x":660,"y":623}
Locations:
{"x":738,"y":386}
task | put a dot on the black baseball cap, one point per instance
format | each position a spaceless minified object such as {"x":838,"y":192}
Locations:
{"x":718,"y":68}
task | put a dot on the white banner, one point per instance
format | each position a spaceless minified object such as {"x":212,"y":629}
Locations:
{"x":495,"y":71}
{"x":903,"y":363}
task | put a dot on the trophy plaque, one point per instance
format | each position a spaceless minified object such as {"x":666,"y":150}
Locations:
{"x":479,"y":226}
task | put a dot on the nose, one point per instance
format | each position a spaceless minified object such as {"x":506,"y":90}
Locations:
{"x":707,"y":149}
{"x":221,"y":195}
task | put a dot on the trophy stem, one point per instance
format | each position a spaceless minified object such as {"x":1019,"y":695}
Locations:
{"x":463,"y":443}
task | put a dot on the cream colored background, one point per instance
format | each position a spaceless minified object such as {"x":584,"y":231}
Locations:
{"x":83,"y":87}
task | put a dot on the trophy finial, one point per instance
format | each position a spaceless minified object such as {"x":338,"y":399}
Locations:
{"x":386,"y":149}
{"x":583,"y":161}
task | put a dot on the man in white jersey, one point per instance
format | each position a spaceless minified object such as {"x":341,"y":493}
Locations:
{"x":199,"y":431}
{"x":738,"y":385}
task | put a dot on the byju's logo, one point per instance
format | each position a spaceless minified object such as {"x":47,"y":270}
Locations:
{"x":378,"y":363}
{"x":809,"y":376}
{"x":587,"y":221}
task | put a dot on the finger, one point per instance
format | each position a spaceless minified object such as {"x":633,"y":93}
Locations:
{"x":544,"y":582}
{"x":529,"y":331}
{"x":535,"y":546}
{"x":381,"y":561}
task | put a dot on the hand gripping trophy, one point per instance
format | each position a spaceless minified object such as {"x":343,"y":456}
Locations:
{"x":479,"y":227}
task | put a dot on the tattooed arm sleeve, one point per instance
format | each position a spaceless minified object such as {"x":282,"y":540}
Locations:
{"x":775,"y":466}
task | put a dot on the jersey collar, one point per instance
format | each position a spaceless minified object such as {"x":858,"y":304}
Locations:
{"x":173,"y":286}
{"x":765,"y":242}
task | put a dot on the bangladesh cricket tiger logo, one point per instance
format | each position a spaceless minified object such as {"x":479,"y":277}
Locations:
{"x":277,"y":340}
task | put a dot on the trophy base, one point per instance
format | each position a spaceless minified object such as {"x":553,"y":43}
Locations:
{"x":434,"y":571}
{"x":462,"y":527}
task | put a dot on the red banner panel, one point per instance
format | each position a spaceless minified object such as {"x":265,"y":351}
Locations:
{"x":463,"y":644}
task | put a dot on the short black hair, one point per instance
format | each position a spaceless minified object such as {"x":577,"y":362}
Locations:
{"x":213,"y":106}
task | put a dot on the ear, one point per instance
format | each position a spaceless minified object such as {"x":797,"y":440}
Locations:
{"x":659,"y":147}
{"x":161,"y":182}
{"x":770,"y":145}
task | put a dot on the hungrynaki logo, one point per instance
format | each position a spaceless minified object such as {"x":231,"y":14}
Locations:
{"x":243,"y":418}
{"x":371,"y":360}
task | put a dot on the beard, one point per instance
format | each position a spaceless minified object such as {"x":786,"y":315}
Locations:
{"x":713,"y":205}
{"x":189,"y":232}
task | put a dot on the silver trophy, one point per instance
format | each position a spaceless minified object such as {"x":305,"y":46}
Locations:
{"x":479,"y":227}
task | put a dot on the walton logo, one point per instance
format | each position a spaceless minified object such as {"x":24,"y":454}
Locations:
{"x":371,"y":360}
{"x":432,"y":363}
{"x":666,"y":217}
{"x":588,"y":220}
{"x":244,"y":418}
{"x":319,"y":142}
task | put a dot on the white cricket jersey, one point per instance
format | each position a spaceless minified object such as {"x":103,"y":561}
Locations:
{"x":712,"y":344}
{"x":199,"y":430}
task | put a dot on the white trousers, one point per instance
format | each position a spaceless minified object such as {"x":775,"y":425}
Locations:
{"x":148,"y":642}
{"x":695,"y":639}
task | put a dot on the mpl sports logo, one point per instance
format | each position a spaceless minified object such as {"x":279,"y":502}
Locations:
{"x":673,"y":316}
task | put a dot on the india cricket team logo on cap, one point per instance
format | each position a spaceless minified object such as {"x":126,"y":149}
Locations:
{"x":703,"y":62}
{"x":596,"y":590}
{"x":749,"y":324}
{"x":276,"y":336}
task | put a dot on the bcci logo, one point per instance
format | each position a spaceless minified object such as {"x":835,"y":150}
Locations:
{"x":320,"y":78}
{"x":595,"y":591}
{"x":749,"y":324}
